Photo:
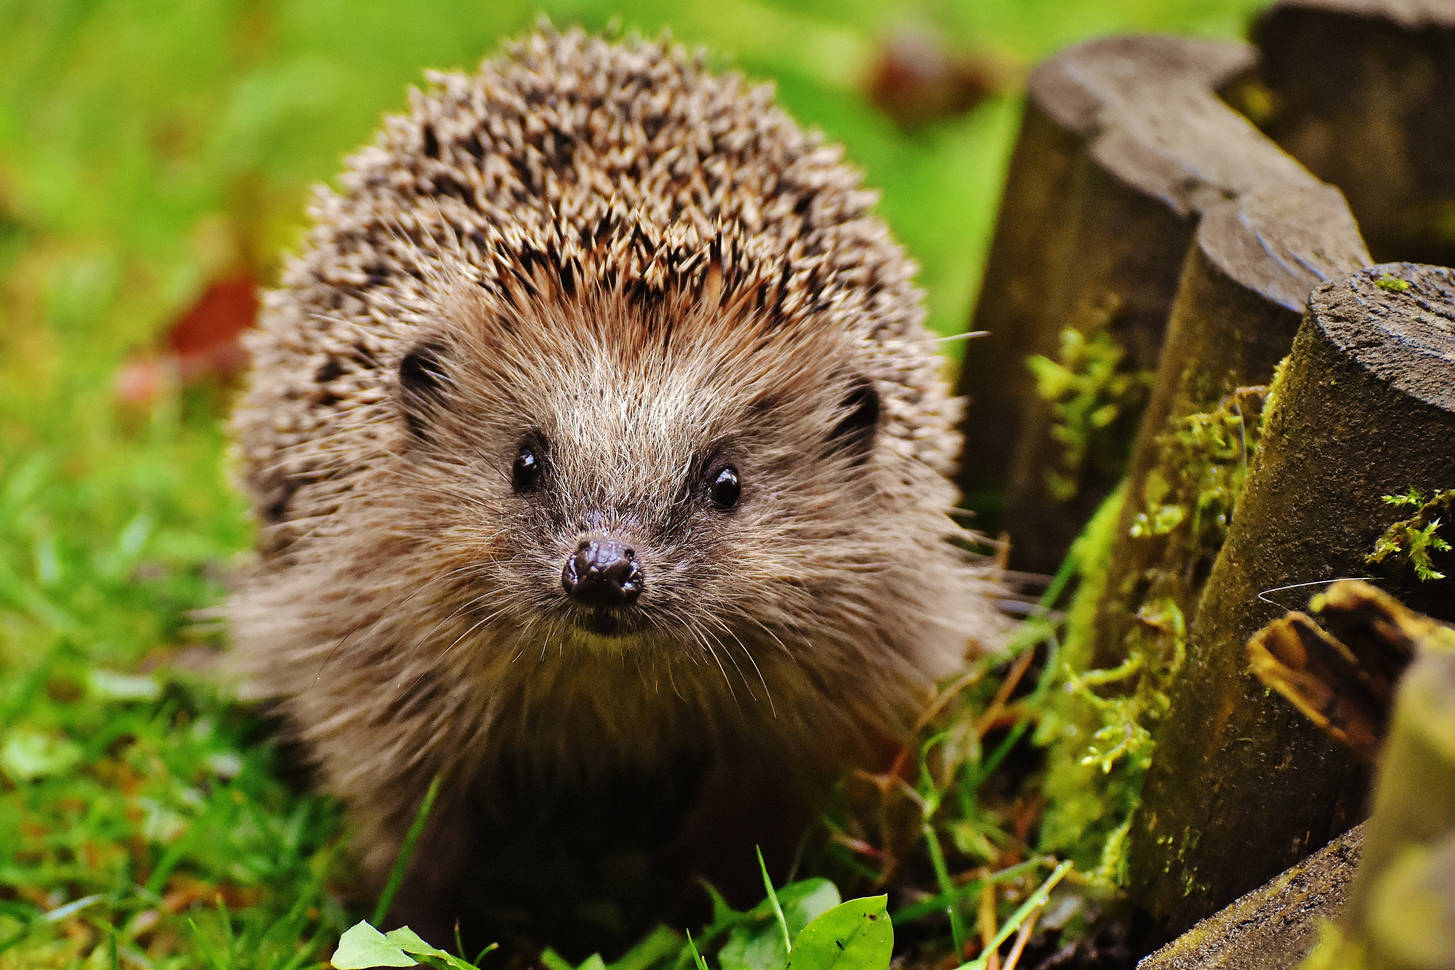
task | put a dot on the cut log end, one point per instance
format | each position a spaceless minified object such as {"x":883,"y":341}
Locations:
{"x":1282,"y":242}
{"x":1397,"y":321}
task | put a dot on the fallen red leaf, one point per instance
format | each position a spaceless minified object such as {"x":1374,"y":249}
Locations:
{"x":203,"y":342}
{"x":210,"y":328}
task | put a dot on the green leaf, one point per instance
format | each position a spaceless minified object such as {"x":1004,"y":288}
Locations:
{"x":856,"y":935}
{"x":805,"y":901}
{"x":661,"y":942}
{"x":408,"y":941}
{"x":722,"y":913}
{"x":758,"y":947}
{"x":759,"y":941}
{"x":362,"y":948}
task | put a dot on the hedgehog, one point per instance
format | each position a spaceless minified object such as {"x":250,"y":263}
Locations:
{"x":596,"y":434}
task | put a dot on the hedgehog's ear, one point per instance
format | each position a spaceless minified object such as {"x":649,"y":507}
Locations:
{"x":859,"y":420}
{"x":423,"y":384}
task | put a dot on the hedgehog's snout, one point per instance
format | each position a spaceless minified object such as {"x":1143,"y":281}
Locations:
{"x":603,"y":573}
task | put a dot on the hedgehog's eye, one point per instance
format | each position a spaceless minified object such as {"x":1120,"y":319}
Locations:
{"x":724,"y":487}
{"x":525,"y":472}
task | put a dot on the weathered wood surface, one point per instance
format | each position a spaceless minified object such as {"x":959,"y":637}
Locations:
{"x":1240,"y":785}
{"x":1123,"y":146}
{"x":1274,"y":926}
{"x":1363,"y":93}
{"x":1243,"y":290}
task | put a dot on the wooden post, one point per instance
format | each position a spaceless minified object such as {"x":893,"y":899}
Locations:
{"x":1011,"y":304}
{"x":1123,"y":145}
{"x":1363,"y":93}
{"x":1243,"y":291}
{"x":1240,"y":786}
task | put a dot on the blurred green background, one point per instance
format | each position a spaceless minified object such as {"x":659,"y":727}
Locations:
{"x":149,"y":149}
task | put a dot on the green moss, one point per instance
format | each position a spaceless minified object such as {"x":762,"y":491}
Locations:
{"x":1207,"y":454}
{"x":1091,"y":552}
{"x":1414,"y":538}
{"x":1393,"y":284}
{"x":1272,"y":394}
{"x":1099,"y":731}
{"x":1256,"y":100}
{"x":1096,"y":749}
{"x":1099,"y":727}
{"x":1093,"y":395}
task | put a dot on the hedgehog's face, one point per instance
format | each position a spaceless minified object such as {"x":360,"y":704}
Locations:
{"x":640,"y":502}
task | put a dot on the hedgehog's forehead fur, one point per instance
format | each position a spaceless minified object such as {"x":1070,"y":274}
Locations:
{"x":654,"y":302}
{"x":633,"y":348}
{"x":624,"y":300}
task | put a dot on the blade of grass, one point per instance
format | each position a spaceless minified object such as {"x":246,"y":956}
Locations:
{"x":945,"y":882}
{"x":406,"y":850}
{"x":225,"y":920}
{"x":204,"y":946}
{"x":936,"y":903}
{"x":773,"y":898}
{"x":697,"y":959}
{"x":1033,"y":902}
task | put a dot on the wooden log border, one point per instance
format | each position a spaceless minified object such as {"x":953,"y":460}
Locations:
{"x":1240,"y":785}
{"x":1153,"y":245}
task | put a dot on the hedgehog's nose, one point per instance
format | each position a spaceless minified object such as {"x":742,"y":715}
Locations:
{"x":602,"y":573}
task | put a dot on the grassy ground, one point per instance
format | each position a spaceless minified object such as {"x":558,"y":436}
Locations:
{"x":149,"y":148}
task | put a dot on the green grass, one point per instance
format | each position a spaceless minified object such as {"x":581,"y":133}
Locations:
{"x":149,"y":147}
